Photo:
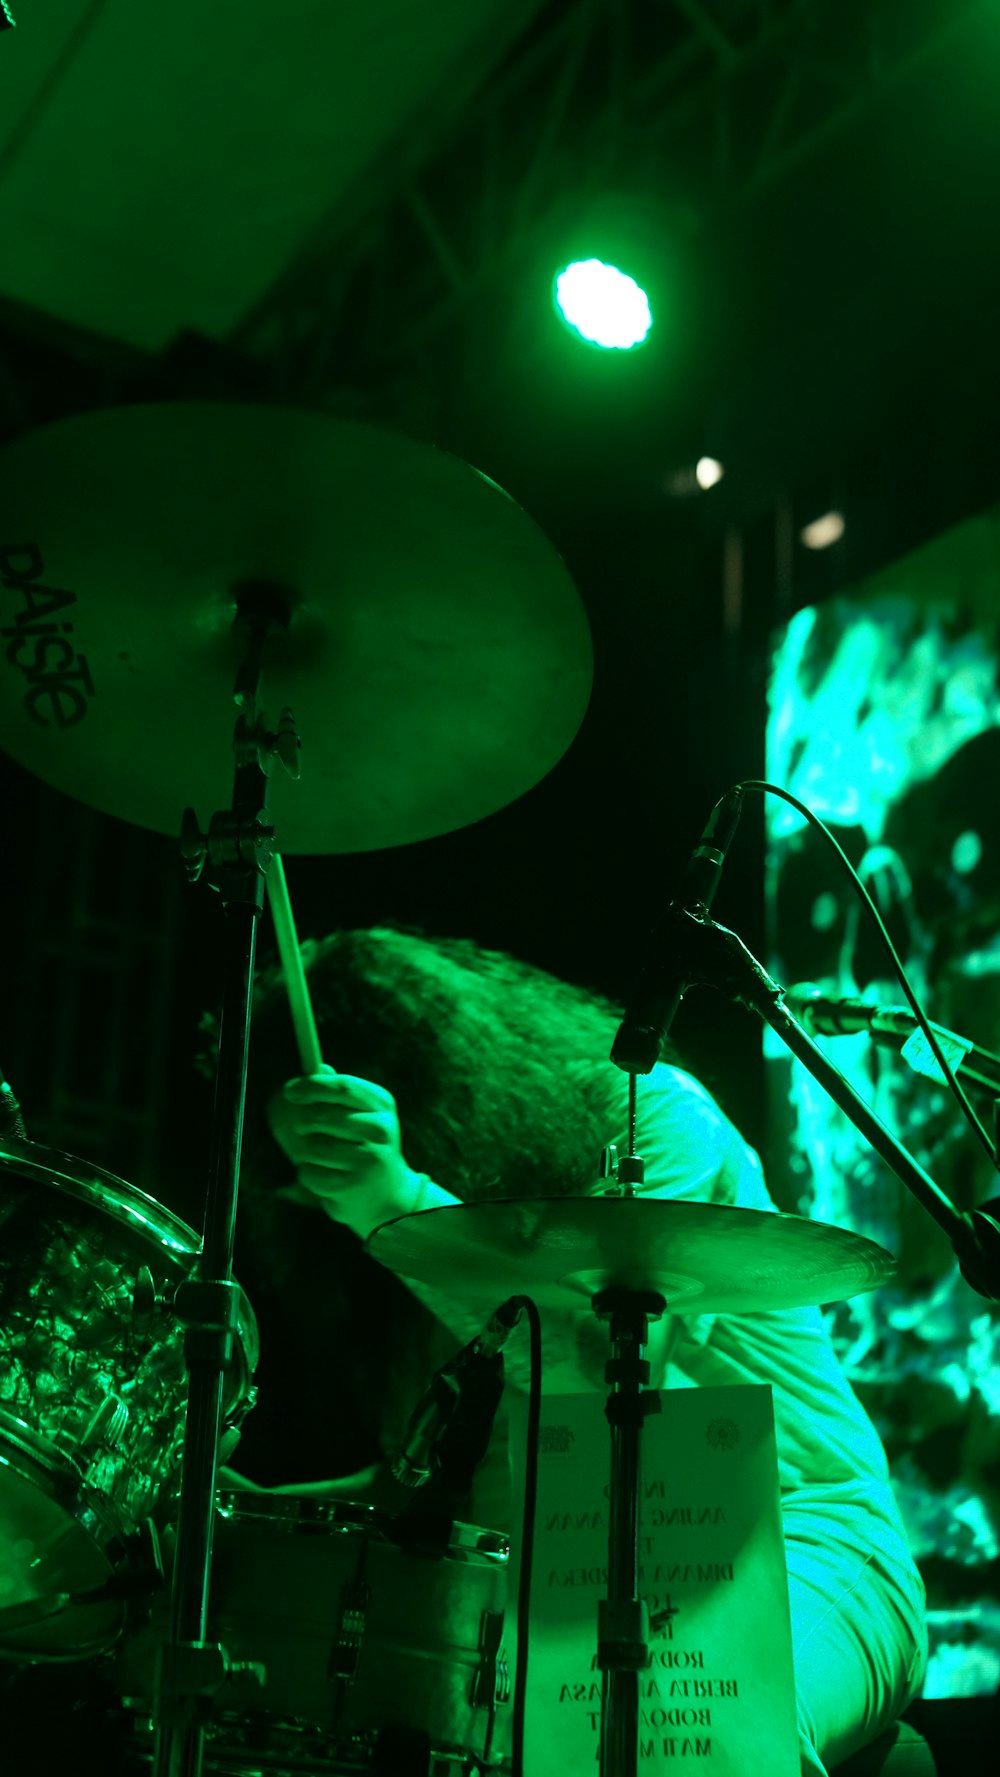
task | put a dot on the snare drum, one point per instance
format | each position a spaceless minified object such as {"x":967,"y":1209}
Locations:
{"x":380,"y":1639}
{"x":93,"y":1392}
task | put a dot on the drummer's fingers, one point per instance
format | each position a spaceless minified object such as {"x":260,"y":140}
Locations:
{"x":314,"y":1153}
{"x":336,"y":1120}
{"x":287,"y":1120}
{"x":324,"y":1181}
{"x":341,"y":1089}
{"x":323,"y":1148}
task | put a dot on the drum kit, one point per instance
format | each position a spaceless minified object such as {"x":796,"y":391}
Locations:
{"x":425,"y":661}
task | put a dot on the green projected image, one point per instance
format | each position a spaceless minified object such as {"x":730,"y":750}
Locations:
{"x":884,"y":716}
{"x":602,"y":304}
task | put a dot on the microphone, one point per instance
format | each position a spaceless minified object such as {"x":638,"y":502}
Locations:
{"x":663,"y":978}
{"x":897,"y":1026}
{"x":450,"y":1426}
{"x":827,"y":1017}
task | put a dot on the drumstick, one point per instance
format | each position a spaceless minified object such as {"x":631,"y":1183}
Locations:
{"x":291,"y":962}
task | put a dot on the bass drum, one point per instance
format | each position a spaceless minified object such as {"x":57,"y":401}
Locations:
{"x":93,"y":1393}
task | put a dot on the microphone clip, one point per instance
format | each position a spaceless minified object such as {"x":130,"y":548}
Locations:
{"x":450,"y":1427}
{"x":698,"y":953}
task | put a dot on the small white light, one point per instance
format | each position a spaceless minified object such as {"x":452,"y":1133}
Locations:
{"x":966,"y":852}
{"x":707,"y":472}
{"x":823,"y":531}
{"x":825,"y":912}
{"x":693,"y":478}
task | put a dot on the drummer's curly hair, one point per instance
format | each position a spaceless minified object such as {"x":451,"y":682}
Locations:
{"x":499,"y":1070}
{"x":501,"y":1077}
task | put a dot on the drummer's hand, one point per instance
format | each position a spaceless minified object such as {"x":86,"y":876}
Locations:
{"x":342,"y":1135}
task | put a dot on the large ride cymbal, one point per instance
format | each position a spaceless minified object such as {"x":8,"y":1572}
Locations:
{"x":438,"y":659}
{"x":705,"y":1258}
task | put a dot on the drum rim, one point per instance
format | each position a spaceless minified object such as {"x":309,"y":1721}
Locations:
{"x":63,"y":1482}
{"x":131,"y":1208}
{"x":59,"y":1479}
{"x":289,"y":1512}
{"x":60,"y":1465}
{"x":93,"y":1184}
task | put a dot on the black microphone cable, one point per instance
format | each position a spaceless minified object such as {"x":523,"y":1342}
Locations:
{"x":651,"y":1009}
{"x":436,"y":1440}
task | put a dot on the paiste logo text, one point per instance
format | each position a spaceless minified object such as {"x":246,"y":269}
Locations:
{"x":38,"y":640}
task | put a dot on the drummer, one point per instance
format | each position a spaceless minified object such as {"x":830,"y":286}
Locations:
{"x":475,"y":1076}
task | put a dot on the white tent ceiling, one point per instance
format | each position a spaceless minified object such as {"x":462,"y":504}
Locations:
{"x":161,"y":166}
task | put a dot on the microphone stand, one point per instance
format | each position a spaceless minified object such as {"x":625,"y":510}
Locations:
{"x":715,"y":957}
{"x":237,"y":848}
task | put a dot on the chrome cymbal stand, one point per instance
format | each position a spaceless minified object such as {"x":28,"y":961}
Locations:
{"x":237,"y":850}
{"x":623,"y":1625}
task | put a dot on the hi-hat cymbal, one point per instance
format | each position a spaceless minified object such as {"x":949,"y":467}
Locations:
{"x":705,"y":1258}
{"x":438,"y":659}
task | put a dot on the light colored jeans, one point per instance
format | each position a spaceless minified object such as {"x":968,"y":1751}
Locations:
{"x":859,"y":1643}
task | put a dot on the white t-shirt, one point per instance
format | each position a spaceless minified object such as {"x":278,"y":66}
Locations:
{"x":831,"y":1463}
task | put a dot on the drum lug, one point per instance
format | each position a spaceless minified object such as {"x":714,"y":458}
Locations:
{"x":239,"y":1411}
{"x":188,"y":1671}
{"x":346,"y":1652}
{"x":145,"y":1306}
{"x":491,"y":1682}
{"x":107,"y":1425}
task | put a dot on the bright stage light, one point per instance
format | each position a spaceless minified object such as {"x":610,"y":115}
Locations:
{"x":603,"y":304}
{"x":708,"y":472}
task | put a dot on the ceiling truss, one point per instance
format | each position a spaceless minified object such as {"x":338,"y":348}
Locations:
{"x":708,"y":102}
{"x":714,"y":100}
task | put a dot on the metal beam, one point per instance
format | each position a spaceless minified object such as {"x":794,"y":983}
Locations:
{"x":739,"y":94}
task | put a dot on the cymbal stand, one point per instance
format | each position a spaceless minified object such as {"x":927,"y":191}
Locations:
{"x":623,"y":1617}
{"x":237,"y":849}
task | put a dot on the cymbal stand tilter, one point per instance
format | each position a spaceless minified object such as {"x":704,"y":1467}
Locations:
{"x":237,"y":850}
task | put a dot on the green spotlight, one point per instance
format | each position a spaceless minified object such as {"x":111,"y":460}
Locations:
{"x":602,"y":304}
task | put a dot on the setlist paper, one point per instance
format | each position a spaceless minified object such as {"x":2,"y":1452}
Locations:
{"x":719,"y":1695}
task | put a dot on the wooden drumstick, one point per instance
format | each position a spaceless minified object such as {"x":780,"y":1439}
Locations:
{"x":306,"y":1035}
